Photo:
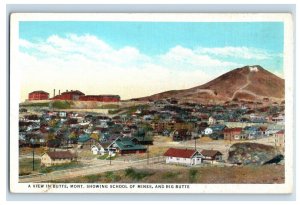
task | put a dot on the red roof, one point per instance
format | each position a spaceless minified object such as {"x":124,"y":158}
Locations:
{"x":39,"y":91}
{"x":183,"y":153}
{"x":235,"y":129}
{"x":280,"y":132}
{"x":75,"y":92}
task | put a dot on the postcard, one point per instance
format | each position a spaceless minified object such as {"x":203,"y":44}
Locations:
{"x":151,"y":103}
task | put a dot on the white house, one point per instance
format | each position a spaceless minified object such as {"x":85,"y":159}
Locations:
{"x":208,"y":131}
{"x":95,"y":149}
{"x":62,"y":114}
{"x":100,"y":148}
{"x":186,"y":157}
{"x":211,"y":120}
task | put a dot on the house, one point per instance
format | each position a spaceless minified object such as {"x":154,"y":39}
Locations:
{"x":183,"y":156}
{"x":182,"y":135}
{"x":38,"y":95}
{"x":232,"y":133}
{"x":214,"y":129}
{"x":95,"y":150}
{"x":103,"y":147}
{"x":57,"y":158}
{"x":62,"y":114}
{"x":69,"y":95}
{"x":274,"y":128}
{"x":216,"y":136}
{"x":125,"y":145}
{"x":100,"y":148}
{"x":208,"y":131}
{"x":100,"y":98}
{"x":85,"y":141}
{"x":252,"y":132}
{"x":143,"y":140}
{"x":211,"y":155}
{"x":212,"y":120}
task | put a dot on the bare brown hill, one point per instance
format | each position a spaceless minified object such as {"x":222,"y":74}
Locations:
{"x":249,"y":83}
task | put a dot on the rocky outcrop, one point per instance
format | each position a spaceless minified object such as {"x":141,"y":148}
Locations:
{"x":253,"y":153}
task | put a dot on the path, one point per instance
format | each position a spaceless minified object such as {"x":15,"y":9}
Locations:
{"x":99,"y":167}
{"x":243,"y":87}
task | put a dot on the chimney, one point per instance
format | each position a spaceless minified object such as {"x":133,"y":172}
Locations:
{"x":53,"y":92}
{"x":58,"y":92}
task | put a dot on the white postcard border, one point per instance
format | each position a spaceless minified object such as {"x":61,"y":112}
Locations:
{"x":15,"y":75}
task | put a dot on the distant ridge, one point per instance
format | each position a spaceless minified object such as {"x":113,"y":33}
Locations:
{"x":248,"y":83}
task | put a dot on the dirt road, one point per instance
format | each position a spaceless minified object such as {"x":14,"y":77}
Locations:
{"x":98,"y":167}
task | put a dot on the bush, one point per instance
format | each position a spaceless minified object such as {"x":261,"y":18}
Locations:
{"x":170,"y":175}
{"x":61,"y":104}
{"x":137,"y":175}
{"x":92,"y":178}
{"x":112,"y":177}
{"x":129,"y":172}
{"x":192,"y":175}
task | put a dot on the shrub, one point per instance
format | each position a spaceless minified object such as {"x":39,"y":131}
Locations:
{"x":61,"y":104}
{"x":170,"y":175}
{"x":192,"y":175}
{"x":112,"y":177}
{"x":92,"y":178}
{"x":137,"y":175}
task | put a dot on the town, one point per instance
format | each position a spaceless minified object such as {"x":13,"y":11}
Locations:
{"x":55,"y":135}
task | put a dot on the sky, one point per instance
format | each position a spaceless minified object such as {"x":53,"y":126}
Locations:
{"x":135,"y":59}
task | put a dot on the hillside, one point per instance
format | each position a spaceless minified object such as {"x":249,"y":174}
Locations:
{"x":250,"y":83}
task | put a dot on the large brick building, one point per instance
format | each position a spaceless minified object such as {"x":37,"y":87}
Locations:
{"x":100,"y":98}
{"x":69,"y":95}
{"x":38,"y":95}
{"x":73,"y":95}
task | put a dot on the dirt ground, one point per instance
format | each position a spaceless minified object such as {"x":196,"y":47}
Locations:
{"x":269,"y":174}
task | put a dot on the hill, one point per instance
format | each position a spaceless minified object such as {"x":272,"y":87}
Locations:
{"x":248,"y":83}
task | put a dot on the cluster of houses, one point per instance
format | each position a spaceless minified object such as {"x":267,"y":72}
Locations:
{"x":132,"y":132}
{"x":97,"y":133}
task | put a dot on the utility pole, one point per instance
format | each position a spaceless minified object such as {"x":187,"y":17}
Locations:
{"x":109,"y":157}
{"x":33,"y":158}
{"x":195,"y":138}
{"x":148,"y":154}
{"x":32,"y":144}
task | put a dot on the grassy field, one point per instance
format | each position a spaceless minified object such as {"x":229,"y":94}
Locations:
{"x":25,"y":166}
{"x":269,"y":174}
{"x":40,"y":104}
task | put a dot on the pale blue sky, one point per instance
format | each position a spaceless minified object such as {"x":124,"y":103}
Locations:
{"x":206,"y":48}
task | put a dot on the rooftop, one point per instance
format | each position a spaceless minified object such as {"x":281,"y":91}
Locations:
{"x":183,"y":153}
{"x":61,"y":155}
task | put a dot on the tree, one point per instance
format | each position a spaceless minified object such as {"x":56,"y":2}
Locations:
{"x":50,"y":136}
{"x":95,"y":136}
